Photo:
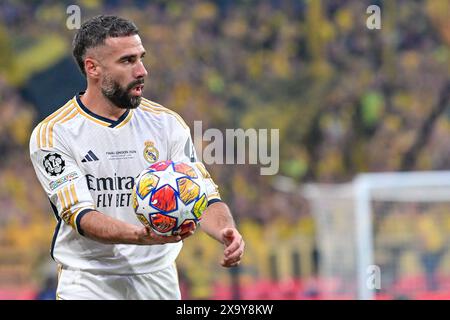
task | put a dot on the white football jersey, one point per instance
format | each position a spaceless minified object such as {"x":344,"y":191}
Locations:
{"x":85,"y":162}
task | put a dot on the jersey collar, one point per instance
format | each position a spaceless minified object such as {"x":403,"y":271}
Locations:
{"x":99,"y":119}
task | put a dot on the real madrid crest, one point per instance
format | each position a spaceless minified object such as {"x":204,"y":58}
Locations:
{"x":151,"y":154}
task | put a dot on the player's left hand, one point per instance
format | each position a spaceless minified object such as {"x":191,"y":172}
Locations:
{"x":234,"y":247}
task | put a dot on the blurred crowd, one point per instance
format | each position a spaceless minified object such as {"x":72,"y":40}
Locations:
{"x":345,"y":98}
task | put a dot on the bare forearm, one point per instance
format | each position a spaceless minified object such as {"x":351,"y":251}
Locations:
{"x":215,"y":218}
{"x":104,"y":229}
{"x":218,"y":222}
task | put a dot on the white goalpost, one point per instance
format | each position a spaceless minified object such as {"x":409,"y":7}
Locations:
{"x":391,"y":221}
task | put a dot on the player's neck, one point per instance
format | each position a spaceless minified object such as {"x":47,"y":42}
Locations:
{"x":101,"y":106}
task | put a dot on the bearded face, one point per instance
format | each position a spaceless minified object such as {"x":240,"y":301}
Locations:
{"x":128,"y":97}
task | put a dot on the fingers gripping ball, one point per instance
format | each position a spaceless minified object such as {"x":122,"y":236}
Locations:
{"x":169,"y":196}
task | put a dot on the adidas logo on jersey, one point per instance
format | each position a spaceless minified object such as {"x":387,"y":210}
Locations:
{"x":90,"y":157}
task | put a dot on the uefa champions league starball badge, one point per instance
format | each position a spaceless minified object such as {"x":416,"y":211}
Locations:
{"x":151,"y":154}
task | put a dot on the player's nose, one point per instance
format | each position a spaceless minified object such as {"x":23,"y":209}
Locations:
{"x":140,"y":70}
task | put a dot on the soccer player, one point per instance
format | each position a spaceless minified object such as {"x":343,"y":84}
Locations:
{"x":86,"y":156}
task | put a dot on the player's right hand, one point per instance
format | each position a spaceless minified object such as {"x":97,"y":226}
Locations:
{"x":187,"y":230}
{"x":149,"y":237}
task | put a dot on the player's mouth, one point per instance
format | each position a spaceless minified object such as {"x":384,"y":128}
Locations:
{"x":137,"y":90}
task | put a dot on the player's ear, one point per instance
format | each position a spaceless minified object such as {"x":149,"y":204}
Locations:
{"x":91,"y":67}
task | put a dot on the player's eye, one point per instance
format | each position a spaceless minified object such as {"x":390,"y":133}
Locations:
{"x":131,"y":59}
{"x":128,"y":60}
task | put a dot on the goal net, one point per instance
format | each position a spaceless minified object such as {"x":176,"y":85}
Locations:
{"x":383,"y":236}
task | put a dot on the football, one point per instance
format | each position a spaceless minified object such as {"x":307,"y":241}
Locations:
{"x":169,"y":196}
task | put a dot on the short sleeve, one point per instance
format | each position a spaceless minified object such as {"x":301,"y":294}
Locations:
{"x":61,"y":178}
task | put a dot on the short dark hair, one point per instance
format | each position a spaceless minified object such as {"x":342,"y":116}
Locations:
{"x":94,"y":32}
